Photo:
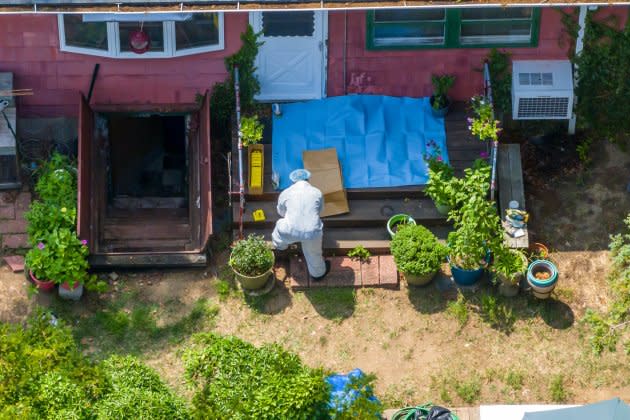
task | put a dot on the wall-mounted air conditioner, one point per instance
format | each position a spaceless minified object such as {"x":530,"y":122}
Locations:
{"x":542,"y":90}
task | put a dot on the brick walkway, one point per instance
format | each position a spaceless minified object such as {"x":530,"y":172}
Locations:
{"x":378,"y":271}
{"x":13,"y":204}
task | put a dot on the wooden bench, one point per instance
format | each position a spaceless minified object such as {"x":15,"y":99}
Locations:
{"x":510,"y":179}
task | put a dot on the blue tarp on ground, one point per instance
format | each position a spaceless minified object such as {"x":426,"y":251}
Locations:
{"x":381,"y":141}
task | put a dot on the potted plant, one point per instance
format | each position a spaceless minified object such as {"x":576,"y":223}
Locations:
{"x":483,"y":125}
{"x":542,"y":276}
{"x":37,"y":263}
{"x":396,"y":221}
{"x":509,"y":267}
{"x":439,"y":100}
{"x":418,"y":254}
{"x":441,"y":186}
{"x":477,"y":233}
{"x":251,"y":130}
{"x":252,"y":261}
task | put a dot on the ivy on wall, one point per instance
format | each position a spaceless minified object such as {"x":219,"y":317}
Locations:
{"x":603,"y":75}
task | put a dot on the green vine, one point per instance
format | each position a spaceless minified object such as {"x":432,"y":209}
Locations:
{"x":603,"y":76}
{"x":501,"y":79}
{"x":222,"y":99}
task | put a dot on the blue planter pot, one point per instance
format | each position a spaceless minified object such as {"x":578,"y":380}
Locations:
{"x":465,"y":277}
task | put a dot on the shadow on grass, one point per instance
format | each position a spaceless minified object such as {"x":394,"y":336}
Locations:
{"x":427,"y":299}
{"x":556,"y":314}
{"x":132,"y":326}
{"x":272,"y":303}
{"x":335,"y":304}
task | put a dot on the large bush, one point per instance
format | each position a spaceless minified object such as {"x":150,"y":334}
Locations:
{"x":43,"y":375}
{"x":235,"y":380}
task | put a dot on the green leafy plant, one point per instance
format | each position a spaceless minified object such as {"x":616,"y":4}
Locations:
{"x":57,"y":182}
{"x":251,"y":256}
{"x":583,"y":150}
{"x":509,"y":264}
{"x":44,"y":217}
{"x":251,"y":130}
{"x":442,"y":184}
{"x":459,"y":309}
{"x":62,"y":257}
{"x":137,"y":392}
{"x":607,"y":328}
{"x":601,"y":68}
{"x":234,"y":379}
{"x":557,"y":390}
{"x":469,"y":391}
{"x":417,"y":251}
{"x":441,"y":85}
{"x":477,"y":233}
{"x":483,"y":125}
{"x":359,"y":252}
{"x":222,"y":98}
{"x":45,"y":376}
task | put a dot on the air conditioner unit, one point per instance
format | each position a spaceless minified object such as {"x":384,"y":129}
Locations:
{"x":542,"y":90}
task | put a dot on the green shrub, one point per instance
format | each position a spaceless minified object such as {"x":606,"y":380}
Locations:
{"x":417,"y":251}
{"x":43,"y":218}
{"x":44,"y":376}
{"x":235,"y":380}
{"x":441,"y":85}
{"x":137,"y":392}
{"x":251,"y":256}
{"x":363,"y":406}
{"x":57,"y":182}
{"x":442,"y":184}
{"x":43,"y":373}
{"x":509,"y":264}
{"x":360,"y":253}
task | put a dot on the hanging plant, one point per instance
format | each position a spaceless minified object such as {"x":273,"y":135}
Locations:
{"x":139,"y":40}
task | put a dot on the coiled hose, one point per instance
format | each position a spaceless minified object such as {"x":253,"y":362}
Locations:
{"x":419,"y":412}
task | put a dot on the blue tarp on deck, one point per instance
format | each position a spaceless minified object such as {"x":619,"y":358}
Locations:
{"x":381,"y":141}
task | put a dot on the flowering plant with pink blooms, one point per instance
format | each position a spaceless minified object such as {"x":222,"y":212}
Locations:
{"x":483,"y":125}
{"x":60,"y":257}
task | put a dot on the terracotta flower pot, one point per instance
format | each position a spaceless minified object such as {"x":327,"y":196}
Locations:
{"x":42,"y":285}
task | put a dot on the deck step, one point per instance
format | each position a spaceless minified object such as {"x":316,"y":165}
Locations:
{"x":173,"y":259}
{"x":362,"y":213}
{"x":341,"y":240}
{"x":146,"y":231}
{"x":145,"y":245}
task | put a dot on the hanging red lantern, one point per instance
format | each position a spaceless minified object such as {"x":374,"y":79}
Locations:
{"x":139,"y":41}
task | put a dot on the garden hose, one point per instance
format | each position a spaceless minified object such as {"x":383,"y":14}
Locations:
{"x":419,"y":412}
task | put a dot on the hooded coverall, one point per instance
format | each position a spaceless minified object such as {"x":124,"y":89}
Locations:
{"x":300,"y":206}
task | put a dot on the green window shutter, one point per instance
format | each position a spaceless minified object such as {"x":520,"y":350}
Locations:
{"x":507,"y":26}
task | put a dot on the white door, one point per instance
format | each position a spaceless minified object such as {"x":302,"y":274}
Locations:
{"x":291,"y":62}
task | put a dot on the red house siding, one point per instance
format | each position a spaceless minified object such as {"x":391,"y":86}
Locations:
{"x":408,"y":73}
{"x":29,"y":47}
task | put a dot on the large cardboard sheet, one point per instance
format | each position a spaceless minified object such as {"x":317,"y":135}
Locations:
{"x":326,"y":175}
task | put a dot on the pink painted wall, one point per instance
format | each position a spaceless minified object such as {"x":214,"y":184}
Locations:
{"x":29,"y":47}
{"x":408,"y":73}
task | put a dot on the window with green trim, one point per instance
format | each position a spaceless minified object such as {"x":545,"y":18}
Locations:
{"x":452,"y":28}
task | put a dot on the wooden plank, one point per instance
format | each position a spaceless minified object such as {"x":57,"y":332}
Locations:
{"x":113,"y":213}
{"x":147,"y":231}
{"x":166,"y":259}
{"x":85,"y":207}
{"x":205,"y":178}
{"x":362,"y":212}
{"x":510,"y":183}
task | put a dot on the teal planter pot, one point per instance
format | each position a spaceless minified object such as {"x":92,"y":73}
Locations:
{"x":465,"y":277}
{"x":542,"y":288}
{"x":397,"y":219}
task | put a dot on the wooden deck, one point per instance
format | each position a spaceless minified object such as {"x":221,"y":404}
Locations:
{"x":369,"y":208}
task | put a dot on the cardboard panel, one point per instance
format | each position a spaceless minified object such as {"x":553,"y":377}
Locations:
{"x":326,"y":175}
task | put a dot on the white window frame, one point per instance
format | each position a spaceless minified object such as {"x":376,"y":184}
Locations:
{"x":113,"y":43}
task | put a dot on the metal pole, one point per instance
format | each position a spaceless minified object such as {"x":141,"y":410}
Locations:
{"x":241,"y":186}
{"x":579,"y":46}
{"x":495,"y":143}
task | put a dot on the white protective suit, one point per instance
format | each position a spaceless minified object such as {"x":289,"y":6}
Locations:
{"x":300,"y":206}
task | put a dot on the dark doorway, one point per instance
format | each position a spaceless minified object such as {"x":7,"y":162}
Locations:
{"x":147,"y":162}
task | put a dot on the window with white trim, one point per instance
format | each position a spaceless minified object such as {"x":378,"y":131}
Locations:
{"x":452,"y":28}
{"x":195,"y":33}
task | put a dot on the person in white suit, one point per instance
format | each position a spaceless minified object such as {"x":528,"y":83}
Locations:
{"x":299,"y":207}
